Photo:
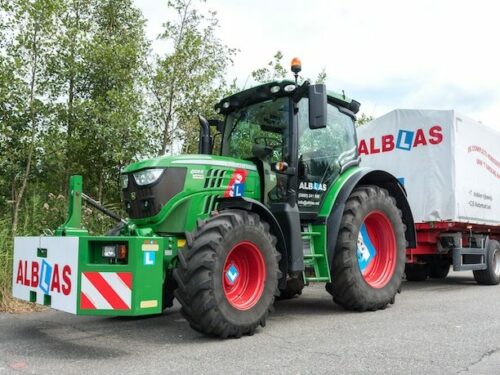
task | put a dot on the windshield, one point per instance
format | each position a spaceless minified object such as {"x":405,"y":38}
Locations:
{"x":259,"y":130}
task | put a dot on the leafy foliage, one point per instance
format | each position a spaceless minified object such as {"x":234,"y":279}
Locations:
{"x":276,"y":71}
{"x":190,"y":78}
{"x":363,"y":119}
{"x":81,"y":94}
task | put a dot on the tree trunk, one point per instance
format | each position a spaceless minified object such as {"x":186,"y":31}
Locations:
{"x":71,"y":98}
{"x":24,"y":183}
{"x":171,"y":94}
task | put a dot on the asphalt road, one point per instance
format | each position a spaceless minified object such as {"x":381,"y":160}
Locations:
{"x":438,"y":327}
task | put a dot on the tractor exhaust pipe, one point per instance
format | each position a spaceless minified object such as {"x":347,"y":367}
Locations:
{"x":205,"y":141}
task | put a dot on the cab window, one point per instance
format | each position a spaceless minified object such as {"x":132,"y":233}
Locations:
{"x":258,"y":130}
{"x":322,"y":152}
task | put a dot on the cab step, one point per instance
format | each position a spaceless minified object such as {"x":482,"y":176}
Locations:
{"x":315,"y":262}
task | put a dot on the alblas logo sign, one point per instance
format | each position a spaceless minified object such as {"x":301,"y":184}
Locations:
{"x":404,"y":140}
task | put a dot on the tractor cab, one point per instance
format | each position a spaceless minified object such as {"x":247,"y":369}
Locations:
{"x":300,"y":137}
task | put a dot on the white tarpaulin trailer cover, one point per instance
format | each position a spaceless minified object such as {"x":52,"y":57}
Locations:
{"x":448,"y":163}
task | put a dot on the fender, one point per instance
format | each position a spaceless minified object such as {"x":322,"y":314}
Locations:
{"x":369,"y":177}
{"x":252,"y":205}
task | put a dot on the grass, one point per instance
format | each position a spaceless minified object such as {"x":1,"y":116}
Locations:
{"x":5,"y":266}
{"x":37,"y":215}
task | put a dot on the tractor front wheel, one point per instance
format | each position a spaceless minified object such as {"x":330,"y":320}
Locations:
{"x":370,"y":252}
{"x":228,"y":274}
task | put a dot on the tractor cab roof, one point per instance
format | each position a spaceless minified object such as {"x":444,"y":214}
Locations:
{"x":276,"y":89}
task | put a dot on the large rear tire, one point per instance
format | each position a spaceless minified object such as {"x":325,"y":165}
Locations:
{"x":228,"y":274}
{"x":370,"y":252}
{"x":491,"y":275}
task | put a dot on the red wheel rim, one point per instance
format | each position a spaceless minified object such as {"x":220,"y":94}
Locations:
{"x":377,"y":249}
{"x":244,"y":275}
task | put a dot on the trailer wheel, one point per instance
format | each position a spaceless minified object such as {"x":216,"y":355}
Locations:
{"x":228,"y":274}
{"x":417,"y":272}
{"x":491,"y":275}
{"x":439,"y":269}
{"x":370,"y":252}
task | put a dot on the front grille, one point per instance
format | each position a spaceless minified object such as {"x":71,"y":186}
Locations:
{"x":215,"y":178}
{"x":210,"y":204}
{"x":146,"y":201}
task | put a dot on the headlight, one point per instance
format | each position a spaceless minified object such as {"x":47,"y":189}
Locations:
{"x":124,"y":181}
{"x":147,"y":176}
{"x":109,"y":251}
{"x":115,"y":251}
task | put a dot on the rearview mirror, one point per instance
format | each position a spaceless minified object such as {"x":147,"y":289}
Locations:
{"x":317,"y":106}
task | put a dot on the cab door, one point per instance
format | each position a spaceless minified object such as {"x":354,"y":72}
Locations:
{"x":321,"y":154}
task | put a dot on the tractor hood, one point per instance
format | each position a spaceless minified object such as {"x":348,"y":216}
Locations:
{"x":189,"y":160}
{"x":164,"y":192}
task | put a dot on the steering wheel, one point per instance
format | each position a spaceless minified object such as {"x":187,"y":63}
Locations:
{"x":268,"y":142}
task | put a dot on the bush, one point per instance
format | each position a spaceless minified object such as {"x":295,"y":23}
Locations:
{"x":41,"y":215}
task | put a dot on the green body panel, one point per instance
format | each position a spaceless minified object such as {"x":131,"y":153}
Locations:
{"x":73,"y":225}
{"x":147,"y":279}
{"x":208,"y":178}
{"x":333,"y":191}
{"x":319,"y":239}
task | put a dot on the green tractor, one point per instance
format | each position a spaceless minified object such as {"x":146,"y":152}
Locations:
{"x":282,"y":203}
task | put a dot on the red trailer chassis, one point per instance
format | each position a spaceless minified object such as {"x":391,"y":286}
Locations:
{"x":429,"y":234}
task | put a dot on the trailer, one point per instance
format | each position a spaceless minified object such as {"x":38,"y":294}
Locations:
{"x":449,"y":165}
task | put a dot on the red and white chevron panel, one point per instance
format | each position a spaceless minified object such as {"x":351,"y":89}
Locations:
{"x":106,"y":291}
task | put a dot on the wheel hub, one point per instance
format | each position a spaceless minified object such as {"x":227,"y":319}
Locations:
{"x":376,"y":249}
{"x":232,"y":274}
{"x":244,"y":275}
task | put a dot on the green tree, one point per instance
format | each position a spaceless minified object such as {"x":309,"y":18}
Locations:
{"x":190,"y":78}
{"x":108,"y":126}
{"x":32,"y":26}
{"x":275,"y":71}
{"x":363,"y":119}
{"x":68,"y":91}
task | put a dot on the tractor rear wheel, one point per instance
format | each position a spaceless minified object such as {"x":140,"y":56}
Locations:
{"x":228,"y":274}
{"x":491,"y":275}
{"x":370,"y":252}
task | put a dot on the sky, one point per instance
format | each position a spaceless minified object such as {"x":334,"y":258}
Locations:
{"x":386,"y":54}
